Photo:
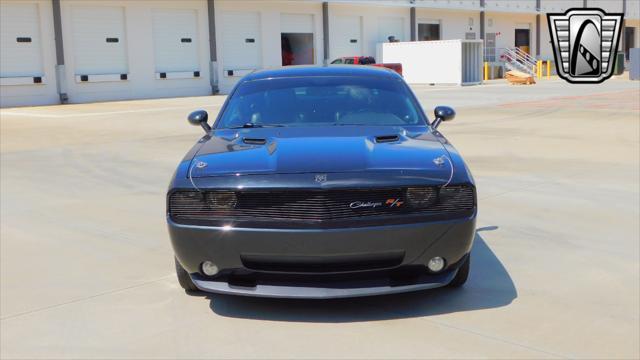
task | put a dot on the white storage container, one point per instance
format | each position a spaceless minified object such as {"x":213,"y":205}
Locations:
{"x":435,"y":62}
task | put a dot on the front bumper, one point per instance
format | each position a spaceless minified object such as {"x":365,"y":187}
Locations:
{"x":314,"y":263}
{"x":326,"y":289}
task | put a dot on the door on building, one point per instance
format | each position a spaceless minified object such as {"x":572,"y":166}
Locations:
{"x":21,"y":53}
{"x":429,"y":31}
{"x":175,"y":39}
{"x":347,"y":39}
{"x":297,"y":48}
{"x":296,"y":39}
{"x":522,"y":37}
{"x":99,"y":41}
{"x":241,"y":42}
{"x":629,"y":40}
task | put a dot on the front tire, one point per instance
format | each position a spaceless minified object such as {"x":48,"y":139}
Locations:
{"x":462,"y":275}
{"x":183,"y":277}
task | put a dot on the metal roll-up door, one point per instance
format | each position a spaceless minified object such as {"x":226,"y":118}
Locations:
{"x":20,"y":44}
{"x":296,"y":23}
{"x":175,"y":37}
{"x":348,"y":36}
{"x":241,"y":42}
{"x":99,"y":42}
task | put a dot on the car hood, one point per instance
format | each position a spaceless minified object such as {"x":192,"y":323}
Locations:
{"x":334,"y":149}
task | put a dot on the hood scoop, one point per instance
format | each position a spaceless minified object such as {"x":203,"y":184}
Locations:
{"x":387,"y":138}
{"x":254,"y":141}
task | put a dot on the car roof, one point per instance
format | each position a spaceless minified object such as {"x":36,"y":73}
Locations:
{"x":327,"y":70}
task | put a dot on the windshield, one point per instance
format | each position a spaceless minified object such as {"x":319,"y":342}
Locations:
{"x":321,"y":101}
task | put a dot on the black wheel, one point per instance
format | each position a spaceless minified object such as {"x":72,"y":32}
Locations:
{"x":183,"y":278}
{"x":462,"y":275}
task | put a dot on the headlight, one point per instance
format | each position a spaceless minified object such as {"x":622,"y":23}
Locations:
{"x":422,"y":197}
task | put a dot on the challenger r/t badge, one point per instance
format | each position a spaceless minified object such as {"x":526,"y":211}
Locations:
{"x":585,"y":42}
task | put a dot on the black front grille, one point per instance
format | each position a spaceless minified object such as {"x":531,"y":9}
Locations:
{"x":318,"y":206}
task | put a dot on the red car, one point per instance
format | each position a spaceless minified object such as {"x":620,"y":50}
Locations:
{"x":367,"y":60}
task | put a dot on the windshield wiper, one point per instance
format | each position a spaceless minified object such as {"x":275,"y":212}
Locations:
{"x":252,"y":125}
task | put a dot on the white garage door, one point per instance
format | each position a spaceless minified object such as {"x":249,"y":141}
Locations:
{"x":296,"y":23}
{"x":21,"y":50}
{"x":241,"y":43}
{"x":99,"y":41}
{"x":390,"y":26}
{"x":348,"y":36}
{"x":175,"y":40}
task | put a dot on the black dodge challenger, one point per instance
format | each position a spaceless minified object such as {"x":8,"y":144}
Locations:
{"x":321,"y":182}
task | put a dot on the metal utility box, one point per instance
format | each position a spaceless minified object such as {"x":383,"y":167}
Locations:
{"x":436,"y":62}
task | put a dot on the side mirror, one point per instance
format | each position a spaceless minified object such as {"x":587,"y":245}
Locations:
{"x":442,"y":113}
{"x":199,"y":118}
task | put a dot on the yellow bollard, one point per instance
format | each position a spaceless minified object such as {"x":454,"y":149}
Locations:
{"x":486,"y":71}
{"x":548,"y":69}
{"x":539,"y":72}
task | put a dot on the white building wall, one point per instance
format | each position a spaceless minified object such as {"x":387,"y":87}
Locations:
{"x":633,"y":10}
{"x":636,"y":24}
{"x":453,"y":24}
{"x":559,"y":6}
{"x":371,"y":19}
{"x":504,"y":25}
{"x":632,"y":19}
{"x":142,"y":81}
{"x":546,"y":49}
{"x":270,"y":13}
{"x":450,"y":5}
{"x":517,"y":6}
{"x":35,"y":94}
{"x":611,"y":6}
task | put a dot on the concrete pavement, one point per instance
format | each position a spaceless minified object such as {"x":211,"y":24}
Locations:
{"x":87,"y":269}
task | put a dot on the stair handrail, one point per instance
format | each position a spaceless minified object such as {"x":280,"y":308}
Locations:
{"x":517,"y":58}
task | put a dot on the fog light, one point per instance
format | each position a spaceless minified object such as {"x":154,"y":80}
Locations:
{"x":436,"y":264}
{"x":209,"y":268}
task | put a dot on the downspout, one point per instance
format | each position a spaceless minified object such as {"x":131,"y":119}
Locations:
{"x":538,"y":29}
{"x":325,"y":32}
{"x":213,"y":53}
{"x":482,"y":30}
{"x":61,"y":80}
{"x":412,"y":16}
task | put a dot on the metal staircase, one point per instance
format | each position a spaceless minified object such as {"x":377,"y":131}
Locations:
{"x":518,"y":60}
